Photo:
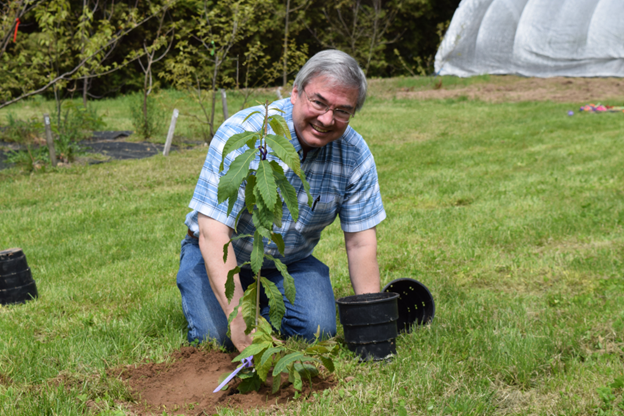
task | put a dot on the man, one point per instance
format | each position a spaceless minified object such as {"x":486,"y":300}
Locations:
{"x":341,"y":171}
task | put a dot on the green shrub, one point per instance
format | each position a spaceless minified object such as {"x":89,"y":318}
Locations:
{"x":146,"y":123}
{"x":21,"y":131}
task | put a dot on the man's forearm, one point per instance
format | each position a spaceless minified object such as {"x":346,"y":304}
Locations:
{"x":212,"y":237}
{"x":362,"y":256}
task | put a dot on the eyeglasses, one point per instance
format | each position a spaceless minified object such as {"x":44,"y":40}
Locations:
{"x":339,"y":113}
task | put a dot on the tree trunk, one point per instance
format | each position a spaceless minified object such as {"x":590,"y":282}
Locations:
{"x":285,"y":73}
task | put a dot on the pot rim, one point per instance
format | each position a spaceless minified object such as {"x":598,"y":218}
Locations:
{"x":352,"y":300}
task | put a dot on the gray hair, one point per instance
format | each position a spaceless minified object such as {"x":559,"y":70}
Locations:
{"x":338,"y":66}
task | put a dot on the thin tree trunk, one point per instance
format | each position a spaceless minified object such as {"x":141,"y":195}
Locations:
{"x":214,"y":96}
{"x":285,"y":73}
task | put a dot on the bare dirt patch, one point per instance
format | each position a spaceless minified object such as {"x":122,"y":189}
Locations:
{"x":185,"y":386}
{"x":514,"y":89}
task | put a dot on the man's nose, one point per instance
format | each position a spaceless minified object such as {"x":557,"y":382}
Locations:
{"x":327,"y":119}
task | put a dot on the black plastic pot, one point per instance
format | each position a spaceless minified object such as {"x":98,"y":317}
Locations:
{"x":415,"y":303}
{"x":370,"y":324}
{"x":16,"y":282}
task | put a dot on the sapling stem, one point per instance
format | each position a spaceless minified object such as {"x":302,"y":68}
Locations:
{"x":257,"y":297}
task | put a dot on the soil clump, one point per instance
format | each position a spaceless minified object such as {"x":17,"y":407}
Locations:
{"x":185,"y":385}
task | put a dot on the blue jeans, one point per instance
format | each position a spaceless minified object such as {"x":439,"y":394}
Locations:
{"x":314,"y":304}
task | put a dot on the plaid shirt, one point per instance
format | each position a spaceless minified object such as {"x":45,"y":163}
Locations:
{"x":343,"y":182}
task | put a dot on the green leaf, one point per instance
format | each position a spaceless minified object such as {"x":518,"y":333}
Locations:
{"x":306,"y":370}
{"x":270,"y":352}
{"x":235,"y":142}
{"x":277,"y":382}
{"x":316,"y":349}
{"x":290,"y":358}
{"x":328,"y":363}
{"x":263,"y":369}
{"x":279,"y":126}
{"x":248,"y":307}
{"x":289,"y":282}
{"x":229,"y":283}
{"x":285,"y":151}
{"x":279,"y":242}
{"x":278,"y":212}
{"x":225,"y":251}
{"x":251,"y":114}
{"x":262,"y":216}
{"x":263,"y":232}
{"x":257,"y":253}
{"x":236,"y":174}
{"x":265,"y":182}
{"x":250,"y":199}
{"x":288,"y":191}
{"x":225,"y":247}
{"x":253,"y":349}
{"x":296,"y":378}
{"x":277,"y":309}
{"x":253,"y":383}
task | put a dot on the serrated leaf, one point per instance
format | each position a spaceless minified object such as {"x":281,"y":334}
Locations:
{"x":277,"y":309}
{"x":240,"y":213}
{"x":225,"y":251}
{"x":262,"y":215}
{"x":257,"y":253}
{"x":235,"y":142}
{"x":264,"y":232}
{"x":285,"y":151}
{"x":250,"y":199}
{"x":263,"y":370}
{"x":253,"y":349}
{"x":229,"y":283}
{"x":279,"y":126}
{"x":265,"y":183}
{"x":279,"y":242}
{"x":277,"y":109}
{"x":289,"y":193}
{"x":278,"y":212}
{"x":268,"y":353}
{"x":277,"y":382}
{"x":232,"y":180}
{"x":289,"y":282}
{"x":248,"y":307}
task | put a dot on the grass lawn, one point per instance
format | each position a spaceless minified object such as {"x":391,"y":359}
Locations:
{"x":511,"y":214}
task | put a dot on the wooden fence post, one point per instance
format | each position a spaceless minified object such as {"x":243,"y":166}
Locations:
{"x":224,"y":104}
{"x":49,"y":139}
{"x":174,"y":119}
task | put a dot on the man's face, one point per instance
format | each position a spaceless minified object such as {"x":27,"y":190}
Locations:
{"x":314,"y":129}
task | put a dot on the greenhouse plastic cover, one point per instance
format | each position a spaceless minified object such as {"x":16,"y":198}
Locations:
{"x":539,"y":38}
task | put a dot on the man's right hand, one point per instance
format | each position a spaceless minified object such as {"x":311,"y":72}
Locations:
{"x":239,"y":338}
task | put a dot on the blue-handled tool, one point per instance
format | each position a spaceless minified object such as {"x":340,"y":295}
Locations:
{"x":246,"y":363}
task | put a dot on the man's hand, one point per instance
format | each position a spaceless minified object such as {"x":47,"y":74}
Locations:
{"x":362,"y":254}
{"x":239,"y":338}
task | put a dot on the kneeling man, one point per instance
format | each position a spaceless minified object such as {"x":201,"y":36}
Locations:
{"x":341,"y":171}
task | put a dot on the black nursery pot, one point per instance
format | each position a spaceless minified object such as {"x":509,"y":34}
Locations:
{"x":370,"y":324}
{"x":16,"y":282}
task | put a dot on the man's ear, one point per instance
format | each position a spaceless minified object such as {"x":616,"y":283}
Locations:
{"x":294,"y":95}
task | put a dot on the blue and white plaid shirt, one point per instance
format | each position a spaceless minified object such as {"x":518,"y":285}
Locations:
{"x":343,"y":182}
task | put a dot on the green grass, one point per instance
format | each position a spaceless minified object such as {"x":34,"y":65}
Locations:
{"x":511,"y":214}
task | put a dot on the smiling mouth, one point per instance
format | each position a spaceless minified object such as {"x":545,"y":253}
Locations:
{"x":319,"y":129}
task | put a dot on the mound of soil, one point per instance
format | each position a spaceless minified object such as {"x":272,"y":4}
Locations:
{"x":185,"y":386}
